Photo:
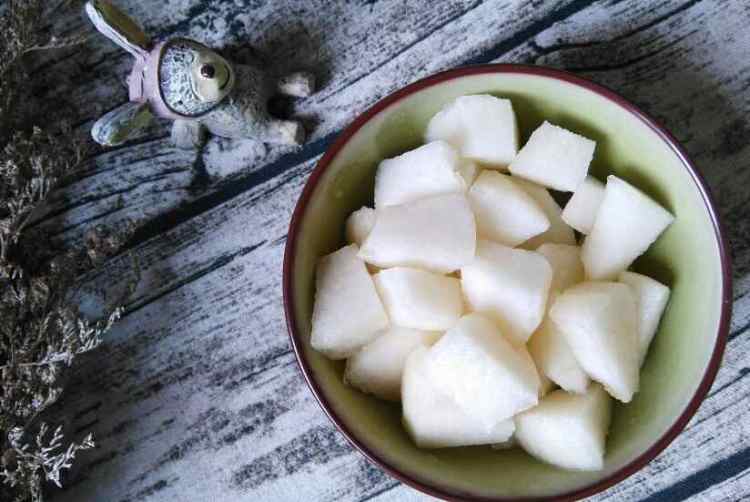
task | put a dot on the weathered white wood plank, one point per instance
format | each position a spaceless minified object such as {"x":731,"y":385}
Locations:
{"x":195,"y":396}
{"x":401,"y":493}
{"x":733,"y":489}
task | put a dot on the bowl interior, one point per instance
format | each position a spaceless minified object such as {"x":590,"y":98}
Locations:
{"x":687,"y":258}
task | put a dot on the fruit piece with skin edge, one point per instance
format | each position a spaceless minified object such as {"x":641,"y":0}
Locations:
{"x":558,"y":232}
{"x":504,"y":212}
{"x":652,"y":298}
{"x":567,"y":269}
{"x":479,"y":369}
{"x":599,"y":322}
{"x":627,"y":223}
{"x":510,"y":286}
{"x":567,"y":430}
{"x":347,"y":312}
{"x":378,"y":366}
{"x":480,"y":127}
{"x":433,"y":420}
{"x":437,"y":234}
{"x":431,"y":169}
{"x":419,"y":299}
{"x":554,"y":157}
{"x":359,"y":225}
{"x":580,"y":211}
{"x":555,"y":359}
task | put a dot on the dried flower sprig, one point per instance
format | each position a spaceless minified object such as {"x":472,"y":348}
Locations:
{"x":41,"y":330}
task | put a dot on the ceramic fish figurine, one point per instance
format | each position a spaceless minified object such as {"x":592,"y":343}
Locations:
{"x":184,"y":81}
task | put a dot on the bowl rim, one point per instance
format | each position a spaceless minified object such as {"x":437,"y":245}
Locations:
{"x":505,"y":68}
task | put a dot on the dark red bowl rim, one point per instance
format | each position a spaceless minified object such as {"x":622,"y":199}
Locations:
{"x":672,"y":143}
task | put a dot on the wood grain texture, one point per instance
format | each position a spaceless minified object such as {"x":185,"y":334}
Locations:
{"x":196,"y":395}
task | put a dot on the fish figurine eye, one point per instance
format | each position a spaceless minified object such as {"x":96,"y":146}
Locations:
{"x":212,"y":76}
{"x":208,"y":71}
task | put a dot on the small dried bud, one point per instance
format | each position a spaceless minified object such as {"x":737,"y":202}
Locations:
{"x":9,"y":460}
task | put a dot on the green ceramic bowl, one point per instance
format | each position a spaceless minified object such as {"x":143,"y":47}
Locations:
{"x":691,"y":257}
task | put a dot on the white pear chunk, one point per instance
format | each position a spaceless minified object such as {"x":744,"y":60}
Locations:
{"x":481,"y":127}
{"x":359,"y":225}
{"x":567,"y":268}
{"x":510,"y":286}
{"x":652,"y":298}
{"x":558,"y":232}
{"x":437,"y":234}
{"x":347,"y":312}
{"x":377,"y":368}
{"x":554,"y":157}
{"x":504,"y":212}
{"x":567,"y":430}
{"x":469,"y":170}
{"x":433,"y":420}
{"x":599,"y":322}
{"x":581,"y":209}
{"x":419,"y":299}
{"x":551,"y":353}
{"x":554,"y":358}
{"x":545,"y":384}
{"x":627,"y":223}
{"x":431,"y":169}
{"x":475,"y":366}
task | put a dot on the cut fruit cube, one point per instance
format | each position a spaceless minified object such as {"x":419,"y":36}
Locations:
{"x":545,"y":384}
{"x":567,"y":269}
{"x":481,"y":127}
{"x":554,"y":157}
{"x":359,"y":225}
{"x":469,"y":170}
{"x":431,"y":169}
{"x":419,"y":299}
{"x":599,"y":322}
{"x":348,"y":312}
{"x":377,"y":368}
{"x":627,"y":223}
{"x":567,"y":430}
{"x":475,"y":366}
{"x":504,"y":212}
{"x":510,"y":286}
{"x":433,"y":420}
{"x":558,"y":232}
{"x":555,"y":359}
{"x":437,"y":234}
{"x":651,"y":298}
{"x":580,"y":211}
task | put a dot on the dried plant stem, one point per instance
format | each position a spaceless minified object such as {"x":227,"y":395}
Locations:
{"x":41,"y":330}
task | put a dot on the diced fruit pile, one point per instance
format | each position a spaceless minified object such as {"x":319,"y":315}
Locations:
{"x":464,"y":294}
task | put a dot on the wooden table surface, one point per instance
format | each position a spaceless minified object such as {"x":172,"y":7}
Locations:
{"x":195,"y":395}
